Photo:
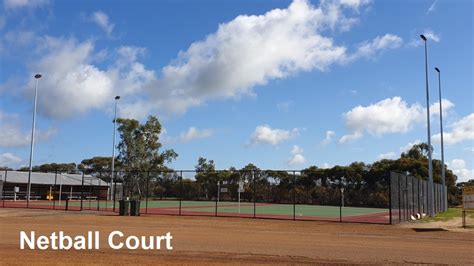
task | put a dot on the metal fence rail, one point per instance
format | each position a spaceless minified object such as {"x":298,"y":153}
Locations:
{"x":345,"y":196}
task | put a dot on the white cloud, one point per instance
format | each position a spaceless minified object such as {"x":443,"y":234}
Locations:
{"x":446,"y":105}
{"x":246,"y":52}
{"x":458,"y":166}
{"x":191,"y":134}
{"x":388,"y":155}
{"x":329,"y":137}
{"x":296,"y":149}
{"x":432,"y":7}
{"x":391,"y":115}
{"x":264,"y":134}
{"x":72,"y":85}
{"x":102,"y":20}
{"x":17,"y":4}
{"x":13,"y":135}
{"x":325,"y":166}
{"x":380,"y":43}
{"x":429,"y":34}
{"x":350,"y":137}
{"x":409,"y":145}
{"x":461,"y":130}
{"x":9,"y":160}
{"x":297,"y":156}
{"x":250,"y":51}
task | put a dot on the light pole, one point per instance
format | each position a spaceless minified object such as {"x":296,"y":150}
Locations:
{"x":113,"y":151}
{"x":430,"y":164}
{"x":443,"y":176}
{"x":28,"y":189}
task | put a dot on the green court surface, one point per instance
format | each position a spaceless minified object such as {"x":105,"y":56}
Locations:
{"x":155,"y":206}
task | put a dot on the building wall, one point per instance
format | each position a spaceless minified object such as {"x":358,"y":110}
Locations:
{"x":40,"y":191}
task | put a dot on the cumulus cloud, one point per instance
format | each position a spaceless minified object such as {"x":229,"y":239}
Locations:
{"x":350,"y":137}
{"x":325,"y":166}
{"x":265,"y":134}
{"x":17,"y":4}
{"x":391,"y":115}
{"x":250,"y":51}
{"x":461,"y":130}
{"x":9,"y":160}
{"x":13,"y":135}
{"x":191,"y":134}
{"x":446,"y":105}
{"x":458,"y":166}
{"x":102,"y":20}
{"x":329,"y":137}
{"x":297,"y":156}
{"x":388,"y":155}
{"x":380,"y":43}
{"x":72,"y":85}
{"x":429,"y":34}
{"x":407,"y":147}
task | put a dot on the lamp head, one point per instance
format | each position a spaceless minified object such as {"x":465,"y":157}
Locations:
{"x":423,"y":37}
{"x":117,"y":97}
{"x":37,"y":76}
{"x":437,"y":69}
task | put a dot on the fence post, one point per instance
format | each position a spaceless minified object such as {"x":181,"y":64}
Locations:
{"x":3,"y":185}
{"x":146,"y":193}
{"x":390,"y":197}
{"x":217,"y":197}
{"x":180,"y":190}
{"x":294,"y":195}
{"x":340,"y":202}
{"x":82,"y":189}
{"x":399,"y":200}
{"x":114,"y":181}
{"x":54,"y":190}
{"x":254,"y":194}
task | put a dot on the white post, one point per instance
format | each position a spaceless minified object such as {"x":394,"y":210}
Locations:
{"x":60,"y":187}
{"x":342,"y":197}
{"x":239,"y":189}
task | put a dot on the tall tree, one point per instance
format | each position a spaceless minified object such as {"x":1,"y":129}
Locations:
{"x":139,"y":151}
{"x":206,"y":176}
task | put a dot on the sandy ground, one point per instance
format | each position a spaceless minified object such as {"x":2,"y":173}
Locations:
{"x":209,"y":240}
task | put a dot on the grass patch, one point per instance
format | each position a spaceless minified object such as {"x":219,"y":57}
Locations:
{"x":448,"y":215}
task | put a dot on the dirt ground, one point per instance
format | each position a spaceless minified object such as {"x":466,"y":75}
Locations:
{"x":209,"y":240}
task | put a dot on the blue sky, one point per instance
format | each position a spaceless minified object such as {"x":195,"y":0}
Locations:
{"x":281,"y":84}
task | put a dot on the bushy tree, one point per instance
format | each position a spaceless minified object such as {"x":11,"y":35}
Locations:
{"x":139,"y":152}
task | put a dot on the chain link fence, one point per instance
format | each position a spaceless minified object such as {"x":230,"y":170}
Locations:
{"x":341,"y":196}
{"x":409,"y":198}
